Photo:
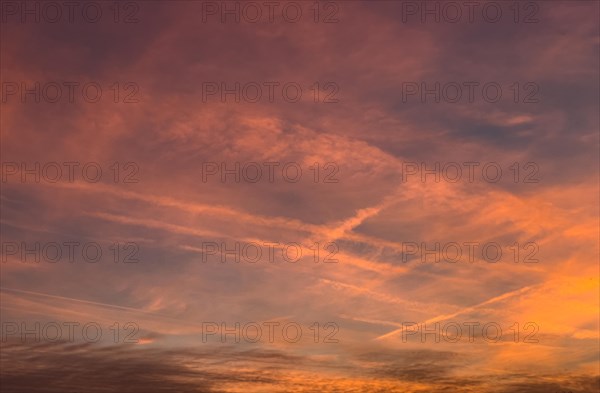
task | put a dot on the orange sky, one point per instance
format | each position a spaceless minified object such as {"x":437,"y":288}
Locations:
{"x":164,"y":145}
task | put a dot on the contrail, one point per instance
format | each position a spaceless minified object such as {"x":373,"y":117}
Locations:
{"x":447,"y":316}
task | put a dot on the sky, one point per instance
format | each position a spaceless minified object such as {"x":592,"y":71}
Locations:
{"x":334,"y":196}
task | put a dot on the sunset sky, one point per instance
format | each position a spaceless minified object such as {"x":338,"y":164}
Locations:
{"x":202,"y":154}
